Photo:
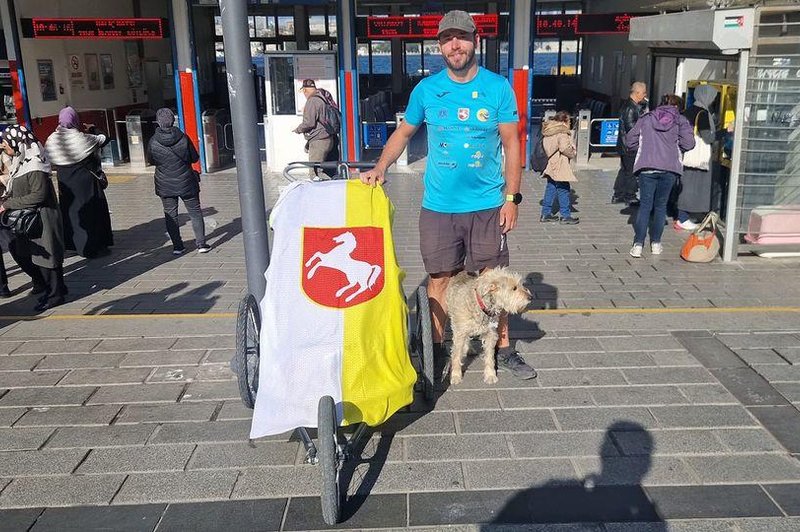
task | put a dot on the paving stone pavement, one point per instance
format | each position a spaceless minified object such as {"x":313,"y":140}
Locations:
{"x":118,"y":409}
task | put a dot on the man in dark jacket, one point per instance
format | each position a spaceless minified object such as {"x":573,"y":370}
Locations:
{"x":173,"y":154}
{"x":321,"y":145}
{"x":626,"y":186}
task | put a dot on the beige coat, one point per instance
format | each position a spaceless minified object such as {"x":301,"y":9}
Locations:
{"x":557,"y":143}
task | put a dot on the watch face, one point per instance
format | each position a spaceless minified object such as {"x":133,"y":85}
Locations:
{"x":517,"y":198}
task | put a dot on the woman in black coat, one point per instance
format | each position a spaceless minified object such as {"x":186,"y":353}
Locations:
{"x":84,"y":208}
{"x":29,"y":187}
{"x":173,"y":154}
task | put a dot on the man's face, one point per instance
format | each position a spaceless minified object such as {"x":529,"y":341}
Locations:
{"x":458,"y":49}
{"x":639,"y":95}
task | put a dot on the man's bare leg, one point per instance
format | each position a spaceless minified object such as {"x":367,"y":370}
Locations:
{"x":437,"y":286}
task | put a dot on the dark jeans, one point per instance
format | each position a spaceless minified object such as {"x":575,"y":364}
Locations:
{"x":553,"y":189}
{"x":654,"y":189}
{"x":626,"y":185}
{"x":192,"y":204}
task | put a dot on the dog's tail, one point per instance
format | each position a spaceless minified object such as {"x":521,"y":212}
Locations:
{"x":373,"y":276}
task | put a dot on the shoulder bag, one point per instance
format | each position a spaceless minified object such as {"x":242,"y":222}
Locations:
{"x":698,"y":157}
{"x":703,"y":244}
{"x":23,"y":222}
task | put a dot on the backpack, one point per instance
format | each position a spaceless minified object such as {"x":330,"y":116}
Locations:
{"x":331,"y":118}
{"x":539,"y":158}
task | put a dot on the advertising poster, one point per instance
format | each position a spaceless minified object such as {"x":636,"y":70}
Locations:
{"x":107,"y":70}
{"x":75,"y":69}
{"x":93,"y":71}
{"x":47,"y":80}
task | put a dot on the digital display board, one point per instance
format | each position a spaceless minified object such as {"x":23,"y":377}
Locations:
{"x":93,"y":28}
{"x":584,"y":24}
{"x":422,"y":27}
{"x":604,"y":132}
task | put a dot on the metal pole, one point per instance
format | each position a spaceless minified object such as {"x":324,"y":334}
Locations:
{"x":244,"y":117}
{"x":729,"y":251}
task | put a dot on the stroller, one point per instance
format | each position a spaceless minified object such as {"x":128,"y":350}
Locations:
{"x":328,"y":345}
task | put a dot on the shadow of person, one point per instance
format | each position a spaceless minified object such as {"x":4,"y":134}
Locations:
{"x":168,"y":300}
{"x":613,"y":495}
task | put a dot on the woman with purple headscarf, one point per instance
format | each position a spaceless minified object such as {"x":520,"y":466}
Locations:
{"x":75,"y":155}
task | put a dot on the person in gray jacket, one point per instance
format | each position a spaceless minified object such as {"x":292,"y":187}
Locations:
{"x":321,"y":145}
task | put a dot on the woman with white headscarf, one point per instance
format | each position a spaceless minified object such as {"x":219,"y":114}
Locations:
{"x":695,"y":195}
{"x":75,"y":155}
{"x":29,"y":187}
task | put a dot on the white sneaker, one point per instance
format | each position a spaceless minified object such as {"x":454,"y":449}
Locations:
{"x":636,"y":251}
{"x":688,"y":225}
{"x":656,"y":248}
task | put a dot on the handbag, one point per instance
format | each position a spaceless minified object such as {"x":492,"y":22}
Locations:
{"x":23,"y":222}
{"x":101,"y":178}
{"x":698,"y":157}
{"x":703,"y":244}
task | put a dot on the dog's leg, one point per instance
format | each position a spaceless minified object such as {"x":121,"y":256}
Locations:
{"x":457,"y":355}
{"x":488,"y":342}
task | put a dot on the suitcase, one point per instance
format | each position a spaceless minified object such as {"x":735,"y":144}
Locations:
{"x":778,"y":224}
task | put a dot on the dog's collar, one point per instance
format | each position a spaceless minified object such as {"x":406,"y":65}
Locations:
{"x":482,"y":305}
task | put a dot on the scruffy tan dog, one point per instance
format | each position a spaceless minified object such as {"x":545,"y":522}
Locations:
{"x":474,"y":304}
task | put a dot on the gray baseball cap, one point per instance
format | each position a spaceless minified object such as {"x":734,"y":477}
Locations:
{"x":456,"y":20}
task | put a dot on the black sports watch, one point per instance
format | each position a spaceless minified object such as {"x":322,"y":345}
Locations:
{"x":516,"y":198}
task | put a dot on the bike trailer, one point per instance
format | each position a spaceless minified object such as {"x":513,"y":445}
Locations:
{"x":334,"y":318}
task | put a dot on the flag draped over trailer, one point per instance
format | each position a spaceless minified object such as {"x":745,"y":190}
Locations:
{"x":334,"y":315}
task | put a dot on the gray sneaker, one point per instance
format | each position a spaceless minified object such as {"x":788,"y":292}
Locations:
{"x":514,"y":363}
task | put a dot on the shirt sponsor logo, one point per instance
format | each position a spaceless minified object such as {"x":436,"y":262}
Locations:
{"x":463,"y":113}
{"x":442,"y":113}
{"x":482,"y":115}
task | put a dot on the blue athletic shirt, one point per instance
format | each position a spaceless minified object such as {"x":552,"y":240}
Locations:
{"x":463,"y":172}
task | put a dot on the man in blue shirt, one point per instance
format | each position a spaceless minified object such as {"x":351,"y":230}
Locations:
{"x":468,"y":205}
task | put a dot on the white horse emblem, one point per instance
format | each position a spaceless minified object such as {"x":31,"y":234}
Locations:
{"x":360,"y":275}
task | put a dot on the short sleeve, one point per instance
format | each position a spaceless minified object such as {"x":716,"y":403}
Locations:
{"x":507,"y":111}
{"x":415,"y":112}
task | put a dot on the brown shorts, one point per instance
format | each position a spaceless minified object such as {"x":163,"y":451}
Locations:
{"x":471,"y":241}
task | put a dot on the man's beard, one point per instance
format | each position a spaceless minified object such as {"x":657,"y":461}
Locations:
{"x":467,"y":64}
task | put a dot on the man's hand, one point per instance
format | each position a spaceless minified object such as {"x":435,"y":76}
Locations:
{"x":373,"y":177}
{"x":508,"y":216}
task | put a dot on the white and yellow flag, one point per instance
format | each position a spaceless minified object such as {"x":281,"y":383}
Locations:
{"x":333,"y":320}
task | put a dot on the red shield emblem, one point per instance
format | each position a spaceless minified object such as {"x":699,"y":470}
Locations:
{"x":342,"y":266}
{"x":463,"y":113}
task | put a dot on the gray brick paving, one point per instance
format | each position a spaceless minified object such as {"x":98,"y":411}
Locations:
{"x":499,"y":474}
{"x":138,"y":393}
{"x":167,"y":413}
{"x":60,"y":416}
{"x":153,"y":403}
{"x":65,"y":396}
{"x":72,"y":490}
{"x":243,"y":455}
{"x":176,"y":486}
{"x":41,"y":463}
{"x":19,"y":362}
{"x":23,"y":438}
{"x":103,"y":436}
{"x":137,"y":459}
